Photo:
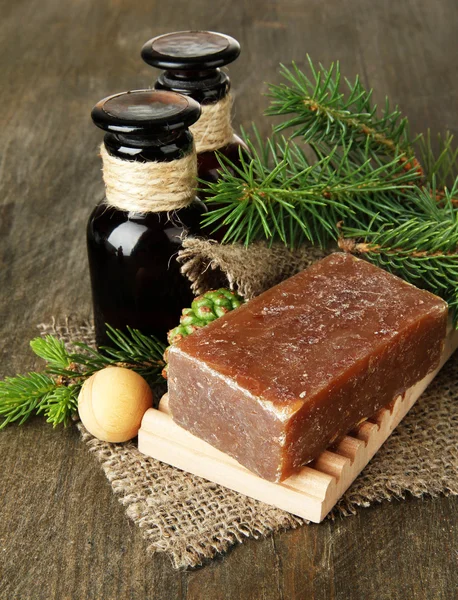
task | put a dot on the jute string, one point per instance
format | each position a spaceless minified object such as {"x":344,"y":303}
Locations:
{"x":150,"y":186}
{"x":214,"y":129}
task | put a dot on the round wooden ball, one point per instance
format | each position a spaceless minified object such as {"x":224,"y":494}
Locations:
{"x":112,"y":402}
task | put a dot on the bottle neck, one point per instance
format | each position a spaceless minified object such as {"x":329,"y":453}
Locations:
{"x":152,"y":174}
{"x":206,"y":87}
{"x":163,"y":148}
{"x":142,"y":185}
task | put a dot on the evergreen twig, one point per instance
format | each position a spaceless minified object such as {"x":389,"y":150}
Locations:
{"x":54,"y":393}
{"x":22,"y":396}
{"x":423,"y":249}
{"x":440,"y":165}
{"x":365,"y":189}
{"x":277,"y":193}
{"x":327,"y":108}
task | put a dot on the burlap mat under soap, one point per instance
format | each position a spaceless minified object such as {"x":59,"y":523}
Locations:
{"x":194,"y":520}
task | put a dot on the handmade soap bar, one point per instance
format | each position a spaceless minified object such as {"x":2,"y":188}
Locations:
{"x":278,"y":380}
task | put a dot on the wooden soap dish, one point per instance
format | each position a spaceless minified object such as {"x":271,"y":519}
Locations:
{"x":314,"y":490}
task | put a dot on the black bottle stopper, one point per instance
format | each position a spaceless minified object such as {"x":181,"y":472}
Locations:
{"x":191,"y":60}
{"x":145,"y":113}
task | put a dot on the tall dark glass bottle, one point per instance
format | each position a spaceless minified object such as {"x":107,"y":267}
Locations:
{"x":191,"y":61}
{"x":135,"y":277}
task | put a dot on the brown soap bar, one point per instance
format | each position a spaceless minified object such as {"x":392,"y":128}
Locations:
{"x":275,"y":382}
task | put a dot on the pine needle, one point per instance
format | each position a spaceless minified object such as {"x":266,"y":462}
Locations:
{"x":440,"y":162}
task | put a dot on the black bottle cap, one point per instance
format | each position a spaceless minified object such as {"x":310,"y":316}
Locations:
{"x":145,"y":112}
{"x":190,"y":50}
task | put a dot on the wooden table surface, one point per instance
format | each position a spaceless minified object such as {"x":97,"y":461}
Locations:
{"x":62,"y":532}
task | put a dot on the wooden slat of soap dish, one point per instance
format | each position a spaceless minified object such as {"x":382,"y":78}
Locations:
{"x":314,"y":490}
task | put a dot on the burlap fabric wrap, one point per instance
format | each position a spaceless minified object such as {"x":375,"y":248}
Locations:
{"x":194,"y":520}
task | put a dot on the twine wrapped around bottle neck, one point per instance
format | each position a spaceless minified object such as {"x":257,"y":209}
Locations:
{"x":153,"y":186}
{"x":214,"y":129}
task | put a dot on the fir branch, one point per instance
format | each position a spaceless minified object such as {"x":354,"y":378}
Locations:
{"x":364,"y":166}
{"x":276,"y":193}
{"x":22,"y":396}
{"x":133,"y":350}
{"x":440,"y":165}
{"x":141,"y":353}
{"x":60,"y":404}
{"x":325,"y":109}
{"x":54,"y":393}
{"x":423,"y":249}
{"x":52,"y":351}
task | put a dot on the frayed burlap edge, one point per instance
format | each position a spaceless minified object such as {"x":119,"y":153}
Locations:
{"x":246,"y":270}
{"x":193,"y":520}
{"x":190,"y":519}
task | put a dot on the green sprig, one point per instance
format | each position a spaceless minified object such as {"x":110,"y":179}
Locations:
{"x":364,"y":186}
{"x":60,"y":404}
{"x":278,"y":193}
{"x":22,"y":396}
{"x":54,"y":393}
{"x":421,"y":248}
{"x":328,"y":108}
{"x":441,"y":164}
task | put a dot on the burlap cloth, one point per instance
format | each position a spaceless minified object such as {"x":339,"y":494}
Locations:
{"x":194,"y":520}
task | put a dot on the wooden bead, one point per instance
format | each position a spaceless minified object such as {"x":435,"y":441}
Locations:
{"x":112,"y":402}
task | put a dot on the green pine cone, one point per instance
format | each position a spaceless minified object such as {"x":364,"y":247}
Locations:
{"x":204,"y":310}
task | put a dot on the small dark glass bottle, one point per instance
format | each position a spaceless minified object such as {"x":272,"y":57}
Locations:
{"x":135,"y":277}
{"x":191,"y":61}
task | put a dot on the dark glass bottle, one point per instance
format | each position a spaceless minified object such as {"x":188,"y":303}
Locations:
{"x":191,"y":61}
{"x":135,"y":277}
